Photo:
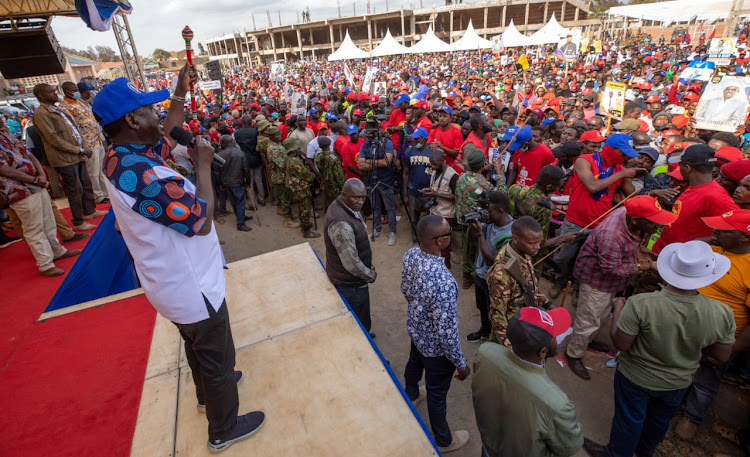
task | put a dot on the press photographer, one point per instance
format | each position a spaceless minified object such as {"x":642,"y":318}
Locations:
{"x":376,"y":161}
{"x":441,"y":193}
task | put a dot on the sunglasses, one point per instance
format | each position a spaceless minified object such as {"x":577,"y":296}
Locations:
{"x":450,"y":230}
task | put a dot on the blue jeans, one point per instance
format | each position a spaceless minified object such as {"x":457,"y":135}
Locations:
{"x":438,"y":372}
{"x":386,"y":194}
{"x":358,"y":298}
{"x":641,"y":419}
{"x":237,"y":197}
{"x":703,"y":391}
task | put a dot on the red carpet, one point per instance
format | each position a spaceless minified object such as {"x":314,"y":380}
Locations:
{"x":26,"y":292}
{"x":74,"y":387}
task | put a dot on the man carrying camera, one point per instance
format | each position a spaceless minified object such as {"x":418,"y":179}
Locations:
{"x":441,"y":194}
{"x":376,"y":160}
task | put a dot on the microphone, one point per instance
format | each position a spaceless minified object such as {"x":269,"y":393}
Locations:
{"x":183,"y":137}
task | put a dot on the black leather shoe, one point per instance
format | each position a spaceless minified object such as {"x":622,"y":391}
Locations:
{"x":594,"y":449}
{"x":578,"y":368}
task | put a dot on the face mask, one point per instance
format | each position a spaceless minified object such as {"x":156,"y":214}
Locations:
{"x":76,"y":95}
{"x":611,"y":156}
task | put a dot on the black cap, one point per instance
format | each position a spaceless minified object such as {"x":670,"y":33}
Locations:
{"x":568,"y":149}
{"x":696,"y":153}
{"x":526,"y":338}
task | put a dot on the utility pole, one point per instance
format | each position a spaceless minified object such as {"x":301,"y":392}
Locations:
{"x":386,"y":5}
{"x":268,"y":15}
{"x":297,"y":17}
{"x":279,"y":11}
{"x":338,"y":6}
{"x":368,"y":6}
{"x":354,"y":8}
{"x":254,"y":27}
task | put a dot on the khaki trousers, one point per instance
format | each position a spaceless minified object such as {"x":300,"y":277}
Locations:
{"x":39,"y":228}
{"x":63,"y":228}
{"x":94,"y":170}
{"x":593,"y":305}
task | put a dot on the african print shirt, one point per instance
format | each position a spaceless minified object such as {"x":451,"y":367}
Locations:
{"x":141,"y":172}
{"x":80,"y":113}
{"x":13,"y":154}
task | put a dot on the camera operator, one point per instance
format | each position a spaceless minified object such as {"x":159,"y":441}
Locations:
{"x":376,"y":160}
{"x":441,"y":193}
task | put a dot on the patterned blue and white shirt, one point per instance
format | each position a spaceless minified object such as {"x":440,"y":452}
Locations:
{"x":432,"y":294}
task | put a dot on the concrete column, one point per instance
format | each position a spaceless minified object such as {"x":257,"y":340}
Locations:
{"x":283,"y":44}
{"x":330,"y":31}
{"x":299,"y":42}
{"x":526,"y":19}
{"x":485,"y":22}
{"x":369,"y":33}
{"x":546,"y":8}
{"x":403,"y":29}
{"x":273,"y":47}
{"x":576,"y":16}
{"x":312,"y":44}
{"x":562,"y":12}
{"x":450,"y":36}
{"x":505,"y":9}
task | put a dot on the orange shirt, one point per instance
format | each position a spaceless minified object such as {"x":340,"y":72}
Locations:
{"x":733,"y":289}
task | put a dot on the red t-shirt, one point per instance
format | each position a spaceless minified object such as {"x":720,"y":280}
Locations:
{"x":283,"y":127}
{"x":350,"y":156}
{"x":706,"y":200}
{"x":530,"y":162}
{"x":338,"y":145}
{"x":397,"y":118}
{"x":451,"y":138}
{"x":425,"y":123}
{"x":315,"y":126}
{"x":582,"y":207}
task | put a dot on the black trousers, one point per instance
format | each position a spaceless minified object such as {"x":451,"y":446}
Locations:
{"x":209,"y":349}
{"x":482,"y":295}
{"x":77,"y":185}
{"x":359,"y":300}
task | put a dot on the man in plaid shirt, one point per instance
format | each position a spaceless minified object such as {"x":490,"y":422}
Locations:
{"x":607,"y":259}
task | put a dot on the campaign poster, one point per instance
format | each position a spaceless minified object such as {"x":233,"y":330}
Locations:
{"x":569,"y":45}
{"x":369,"y":76}
{"x":497,"y":43}
{"x":724,"y":104}
{"x":613,"y":99}
{"x":349,"y":75}
{"x":380,"y":89}
{"x":299,"y":100}
{"x":698,"y":71}
{"x":722,"y":47}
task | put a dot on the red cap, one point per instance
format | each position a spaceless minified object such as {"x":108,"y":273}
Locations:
{"x":738,"y":219}
{"x":374,"y":100}
{"x":670,"y":132}
{"x":729,"y":154}
{"x":364,"y":96}
{"x":674,"y":147}
{"x":421,"y":104}
{"x":591,"y":135}
{"x":351,"y":96}
{"x":679,"y":121}
{"x":694,"y":88}
{"x":555,"y":321}
{"x":653,"y":98}
{"x":692,"y":96}
{"x":357,"y":111}
{"x":647,"y":207}
{"x":644,"y":126}
{"x":737,"y":170}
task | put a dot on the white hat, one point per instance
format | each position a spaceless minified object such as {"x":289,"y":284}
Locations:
{"x":691,"y":265}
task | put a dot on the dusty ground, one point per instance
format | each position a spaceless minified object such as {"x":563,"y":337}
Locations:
{"x":593,"y":399}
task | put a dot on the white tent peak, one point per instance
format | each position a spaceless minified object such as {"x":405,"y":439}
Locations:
{"x":512,"y":38}
{"x":471,"y":41}
{"x":550,"y":33}
{"x":348,"y":50}
{"x":389,"y":46}
{"x":430,"y":43}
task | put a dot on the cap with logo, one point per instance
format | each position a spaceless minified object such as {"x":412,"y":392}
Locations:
{"x":446,"y":109}
{"x":738,"y":219}
{"x":352,"y":129}
{"x":403,"y":98}
{"x":418,"y":133}
{"x":647,"y":207}
{"x":121,"y":97}
{"x":621,"y":142}
{"x":591,"y":135}
{"x":695,"y":153}
{"x":524,"y":135}
{"x":532,"y":329}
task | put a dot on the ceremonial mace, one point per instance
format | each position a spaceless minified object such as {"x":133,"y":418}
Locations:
{"x":187,"y":35}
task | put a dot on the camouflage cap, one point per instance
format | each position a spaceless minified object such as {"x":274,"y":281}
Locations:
{"x":292,"y":144}
{"x":273,"y":130}
{"x":263,"y":125}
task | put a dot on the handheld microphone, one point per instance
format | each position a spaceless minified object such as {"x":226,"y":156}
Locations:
{"x":183,"y":137}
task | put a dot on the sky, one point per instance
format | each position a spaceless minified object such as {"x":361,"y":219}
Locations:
{"x":159,"y":24}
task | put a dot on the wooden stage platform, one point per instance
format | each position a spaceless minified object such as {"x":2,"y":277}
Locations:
{"x":307,"y":364}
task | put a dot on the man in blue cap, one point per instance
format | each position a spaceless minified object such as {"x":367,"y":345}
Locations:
{"x":397,"y":118}
{"x":417,"y":173}
{"x":528,"y":158}
{"x":167,"y":223}
{"x":86,"y":92}
{"x":592,"y":188}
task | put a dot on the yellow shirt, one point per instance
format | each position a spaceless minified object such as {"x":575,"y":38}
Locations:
{"x":733,"y":289}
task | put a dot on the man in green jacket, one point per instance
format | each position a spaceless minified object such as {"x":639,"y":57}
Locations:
{"x":520,"y":411}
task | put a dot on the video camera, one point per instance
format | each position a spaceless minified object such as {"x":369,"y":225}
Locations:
{"x":480,"y":213}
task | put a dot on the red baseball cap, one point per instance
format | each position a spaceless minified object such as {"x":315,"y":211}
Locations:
{"x":738,"y":219}
{"x":364,"y":96}
{"x":373,"y":99}
{"x":357,"y":111}
{"x":647,"y":207}
{"x":676,"y":174}
{"x":728,"y":154}
{"x":736,"y":171}
{"x":421,"y":104}
{"x":653,"y":98}
{"x":531,"y":329}
{"x":591,"y":135}
{"x":670,"y":132}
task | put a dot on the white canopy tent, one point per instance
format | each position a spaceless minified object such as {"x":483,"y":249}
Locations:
{"x":389,"y":47}
{"x":430,"y":43}
{"x":550,"y":33}
{"x":675,"y":11}
{"x":470,"y":41}
{"x":512,"y":38}
{"x":348,"y":50}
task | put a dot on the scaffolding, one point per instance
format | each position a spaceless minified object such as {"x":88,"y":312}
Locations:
{"x":128,"y":51}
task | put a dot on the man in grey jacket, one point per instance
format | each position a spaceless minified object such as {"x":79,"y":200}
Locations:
{"x":233,"y":176}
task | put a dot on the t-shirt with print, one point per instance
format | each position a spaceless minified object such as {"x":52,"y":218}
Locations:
{"x":530,"y":162}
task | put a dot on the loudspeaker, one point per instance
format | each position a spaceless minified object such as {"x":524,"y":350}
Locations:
{"x":30,"y":53}
{"x":214,"y":69}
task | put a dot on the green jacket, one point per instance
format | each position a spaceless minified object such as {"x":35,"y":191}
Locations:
{"x":520,"y":411}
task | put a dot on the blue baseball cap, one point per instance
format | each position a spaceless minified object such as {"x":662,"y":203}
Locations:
{"x":331,"y":116}
{"x":82,"y":87}
{"x":623,"y":143}
{"x":403,"y":98}
{"x":523,"y":136}
{"x":419,"y":133}
{"x":509,"y":132}
{"x":351,"y":128}
{"x":548,"y":121}
{"x":121,"y":97}
{"x":446,"y":109}
{"x":313,"y":110}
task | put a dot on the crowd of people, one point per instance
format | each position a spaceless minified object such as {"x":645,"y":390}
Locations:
{"x":513,"y":173}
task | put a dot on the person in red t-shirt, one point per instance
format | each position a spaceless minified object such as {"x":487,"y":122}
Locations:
{"x":339,"y":128}
{"x":592,"y":188}
{"x":420,"y":108}
{"x":528,"y":162}
{"x":394,"y":124}
{"x":704,"y":197}
{"x":447,"y":137}
{"x":350,"y":152}
{"x":479,"y":137}
{"x":314,"y":122}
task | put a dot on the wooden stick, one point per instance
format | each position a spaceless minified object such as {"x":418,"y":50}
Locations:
{"x":252,"y":201}
{"x":565,"y":295}
{"x":589,"y":225}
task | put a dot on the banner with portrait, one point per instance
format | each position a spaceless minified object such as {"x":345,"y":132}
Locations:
{"x":724,"y":105}
{"x":722,"y":47}
{"x":568,"y":46}
{"x":380,"y":89}
{"x":613,"y":99}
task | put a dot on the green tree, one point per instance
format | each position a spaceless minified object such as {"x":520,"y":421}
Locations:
{"x":161,"y":55}
{"x":106,"y":54}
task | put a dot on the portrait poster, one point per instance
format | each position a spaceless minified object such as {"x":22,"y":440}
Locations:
{"x":369,"y":76}
{"x":723,"y":104}
{"x":497,"y":43}
{"x":349,"y":75}
{"x":569,"y":45}
{"x":613,"y":99}
{"x":698,"y":71}
{"x":722,"y":47}
{"x":380,"y":88}
{"x":299,"y":100}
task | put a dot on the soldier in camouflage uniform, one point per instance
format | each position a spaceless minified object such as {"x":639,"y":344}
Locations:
{"x":262,"y":147}
{"x":332,"y":176}
{"x":466,"y":199}
{"x":506,"y":295}
{"x":298,"y":181}
{"x":276,"y":156}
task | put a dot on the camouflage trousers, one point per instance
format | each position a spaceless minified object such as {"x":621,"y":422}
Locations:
{"x":281,"y":194}
{"x":305,"y":209}
{"x":330,"y":193}
{"x":469,"y":249}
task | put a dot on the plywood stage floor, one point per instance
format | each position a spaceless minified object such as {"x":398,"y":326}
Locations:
{"x":307,"y":364}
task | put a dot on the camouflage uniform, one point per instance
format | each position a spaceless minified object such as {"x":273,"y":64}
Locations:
{"x":332,"y":176}
{"x":524,"y":202}
{"x":298,"y":180}
{"x":466,"y":200}
{"x":262,"y":148}
{"x":276,"y":156}
{"x":506,"y":295}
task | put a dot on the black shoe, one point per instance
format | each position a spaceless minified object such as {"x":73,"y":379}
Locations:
{"x":248,"y":216}
{"x":477,"y":336}
{"x":103,"y":201}
{"x":598,"y":346}
{"x":8,"y":241}
{"x":578,"y":368}
{"x":237,"y":379}
{"x":243,"y":228}
{"x":247,"y":425}
{"x":77,"y":237}
{"x":594,"y":449}
{"x":372,"y":335}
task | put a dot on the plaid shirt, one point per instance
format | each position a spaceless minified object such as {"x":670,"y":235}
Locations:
{"x":608,"y":257}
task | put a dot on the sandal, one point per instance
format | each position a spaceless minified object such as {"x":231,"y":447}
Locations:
{"x":219,"y":220}
{"x":726,"y":433}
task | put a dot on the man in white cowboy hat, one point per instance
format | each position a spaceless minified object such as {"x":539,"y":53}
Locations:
{"x":662,"y":337}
